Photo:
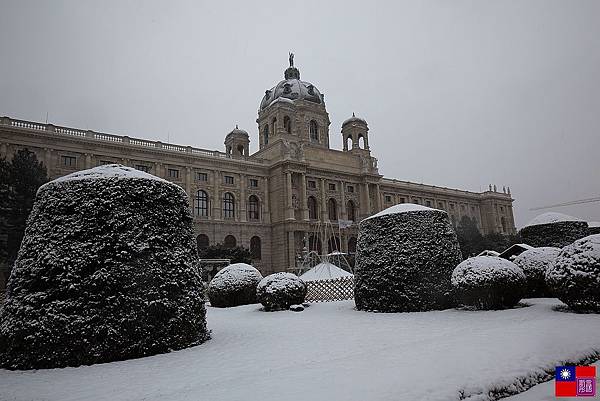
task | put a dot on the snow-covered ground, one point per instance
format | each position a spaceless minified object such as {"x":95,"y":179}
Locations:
{"x":333,"y":352}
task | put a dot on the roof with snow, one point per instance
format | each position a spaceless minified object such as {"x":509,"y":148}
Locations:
{"x":551,"y":217}
{"x":324,"y":271}
{"x":403,"y":208}
{"x":353,"y":119}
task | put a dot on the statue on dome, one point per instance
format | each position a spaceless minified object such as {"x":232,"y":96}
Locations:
{"x":291,"y":59}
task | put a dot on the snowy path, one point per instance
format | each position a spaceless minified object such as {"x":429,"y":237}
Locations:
{"x":333,"y":352}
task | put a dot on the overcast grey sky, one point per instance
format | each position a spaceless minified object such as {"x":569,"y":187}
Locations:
{"x":456,"y":93}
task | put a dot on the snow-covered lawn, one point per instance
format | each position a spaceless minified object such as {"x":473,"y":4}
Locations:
{"x":333,"y":352}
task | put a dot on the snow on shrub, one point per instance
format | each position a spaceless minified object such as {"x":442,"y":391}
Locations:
{"x":488,"y":282}
{"x":279,"y":291}
{"x":107,"y":271}
{"x":404,"y":260}
{"x":553,"y":230}
{"x":575,"y":277}
{"x":593,"y":227}
{"x":534,"y":263}
{"x":234,"y":285}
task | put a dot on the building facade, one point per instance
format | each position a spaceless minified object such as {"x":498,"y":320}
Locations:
{"x":274,"y":201}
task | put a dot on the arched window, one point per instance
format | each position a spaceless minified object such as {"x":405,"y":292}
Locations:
{"x":287,"y":124}
{"x":349,"y":142}
{"x":201,"y":204}
{"x":274,"y":125}
{"x":503,"y":222}
{"x":228,"y":206}
{"x":229,"y":241}
{"x":361,"y":141}
{"x":202,"y":241}
{"x":332,"y":209}
{"x":333,"y":244}
{"x":255,"y":248}
{"x":314,"y":131}
{"x":266,"y":132}
{"x":351,"y":210}
{"x":312,"y":208}
{"x":253,"y":208}
{"x":352,"y":245}
{"x":314,"y":244}
{"x":241,"y":150}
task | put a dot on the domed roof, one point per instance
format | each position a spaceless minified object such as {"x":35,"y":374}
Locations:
{"x":238,"y":131}
{"x":354,"y":119}
{"x":292,"y":88}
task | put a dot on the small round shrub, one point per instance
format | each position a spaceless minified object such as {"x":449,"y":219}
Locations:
{"x":279,"y":291}
{"x":234,"y":285}
{"x":534,"y":263}
{"x":575,"y":277}
{"x":488,"y":282}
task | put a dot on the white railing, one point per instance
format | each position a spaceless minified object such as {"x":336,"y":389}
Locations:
{"x":99,"y":136}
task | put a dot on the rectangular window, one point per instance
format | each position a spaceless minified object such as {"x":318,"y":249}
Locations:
{"x":253,"y":182}
{"x":440,"y":205}
{"x":416,"y":201}
{"x":501,"y":208}
{"x":452,"y":206}
{"x":312,"y":184}
{"x":332,"y":187}
{"x":143,"y":168}
{"x":173,"y":173}
{"x":229,"y":180}
{"x":350,"y":188}
{"x":388,"y":198}
{"x":201,"y":176}
{"x":69,"y":161}
{"x":104,"y":162}
{"x":428,"y":203}
{"x":402,"y":200}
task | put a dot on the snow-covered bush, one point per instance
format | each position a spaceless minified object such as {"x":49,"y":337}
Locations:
{"x":234,"y":285}
{"x":534,"y":263}
{"x":279,"y":291}
{"x":107,"y":271}
{"x":553,"y":229}
{"x":575,"y":276}
{"x":593,"y":227}
{"x":404,"y":260}
{"x":488,"y":282}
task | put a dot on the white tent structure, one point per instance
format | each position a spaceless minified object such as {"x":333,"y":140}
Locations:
{"x":324,"y":271}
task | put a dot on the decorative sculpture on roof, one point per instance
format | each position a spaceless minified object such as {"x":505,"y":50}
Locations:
{"x":291,"y":59}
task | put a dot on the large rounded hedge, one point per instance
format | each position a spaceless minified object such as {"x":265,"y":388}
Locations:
{"x":107,"y":271}
{"x":534,"y":263}
{"x":488,"y":282}
{"x":404,"y":260}
{"x":234,"y":285}
{"x":553,"y":230}
{"x":279,"y":291}
{"x":593,"y":227}
{"x":575,"y":277}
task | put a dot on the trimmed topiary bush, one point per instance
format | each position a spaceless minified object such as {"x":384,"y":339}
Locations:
{"x":593,"y":227}
{"x":553,"y":230}
{"x":488,"y":282}
{"x":234,"y":285}
{"x":575,"y":277}
{"x":404,"y":260}
{"x":281,"y":290}
{"x":534,"y":263}
{"x":107,"y":271}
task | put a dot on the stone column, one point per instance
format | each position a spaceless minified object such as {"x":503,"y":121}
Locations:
{"x":243,"y":201}
{"x":378,"y":198}
{"x":304,"y":198}
{"x":88,"y":161}
{"x":266,"y":211}
{"x":343,"y":212}
{"x":4,"y":150}
{"x":216,"y":198}
{"x":48,"y":159}
{"x":324,"y":214}
{"x":291,"y":250}
{"x":289,"y":204}
{"x":367,"y":200}
{"x":188,"y":182}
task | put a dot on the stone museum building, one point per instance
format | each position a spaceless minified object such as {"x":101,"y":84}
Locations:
{"x":274,"y":200}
